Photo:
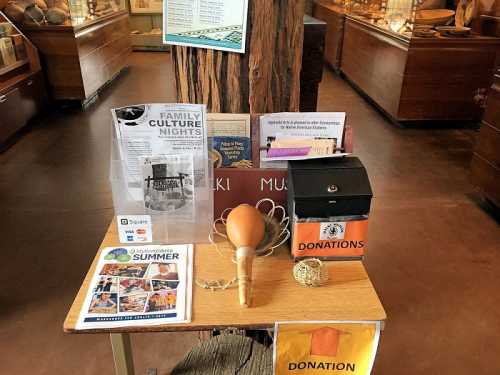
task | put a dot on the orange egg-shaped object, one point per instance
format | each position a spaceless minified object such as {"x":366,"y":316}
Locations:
{"x":245,"y":226}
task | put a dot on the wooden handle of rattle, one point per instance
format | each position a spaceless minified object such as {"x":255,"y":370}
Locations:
{"x":244,"y":260}
{"x":245,"y":229}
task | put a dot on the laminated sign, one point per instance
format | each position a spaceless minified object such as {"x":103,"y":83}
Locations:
{"x":325,"y":347}
{"x":329,"y":239}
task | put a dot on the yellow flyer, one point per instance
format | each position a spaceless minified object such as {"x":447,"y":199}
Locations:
{"x":333,"y":347}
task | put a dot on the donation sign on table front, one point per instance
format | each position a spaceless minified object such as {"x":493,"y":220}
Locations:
{"x":215,"y":24}
{"x":325,"y":347}
{"x":139,"y":285}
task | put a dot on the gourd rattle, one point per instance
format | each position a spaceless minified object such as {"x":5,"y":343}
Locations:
{"x":245,"y":228}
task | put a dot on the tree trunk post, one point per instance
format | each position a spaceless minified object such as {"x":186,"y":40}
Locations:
{"x":265,"y":79}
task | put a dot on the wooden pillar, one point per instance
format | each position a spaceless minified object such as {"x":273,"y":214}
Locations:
{"x":264,"y":79}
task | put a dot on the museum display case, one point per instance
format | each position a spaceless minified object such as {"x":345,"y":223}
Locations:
{"x":60,"y":12}
{"x":81,"y":58}
{"x":90,"y":10}
{"x":83,"y":43}
{"x":22,"y":89}
{"x":403,"y":57}
{"x":397,"y":16}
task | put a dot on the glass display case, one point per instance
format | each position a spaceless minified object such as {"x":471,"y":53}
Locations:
{"x":13,"y":53}
{"x":397,"y":52}
{"x":89,"y":43}
{"x":22,"y":89}
{"x":60,"y":12}
{"x":406,"y":18}
{"x":82,"y":11}
{"x":397,"y":16}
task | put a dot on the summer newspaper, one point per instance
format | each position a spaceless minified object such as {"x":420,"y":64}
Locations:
{"x":138,"y":286}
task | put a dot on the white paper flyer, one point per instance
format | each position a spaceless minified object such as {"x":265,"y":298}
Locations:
{"x":138,"y":286}
{"x":161,"y":130}
{"x":215,"y":24}
{"x":299,"y":136}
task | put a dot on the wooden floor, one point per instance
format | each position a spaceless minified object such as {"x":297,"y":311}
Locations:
{"x":433,"y":251}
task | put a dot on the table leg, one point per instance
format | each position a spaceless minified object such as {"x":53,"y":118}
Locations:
{"x":122,"y":353}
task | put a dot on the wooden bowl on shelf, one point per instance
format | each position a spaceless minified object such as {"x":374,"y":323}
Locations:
{"x":434,"y":16}
{"x":425,"y":33}
{"x":453,"y":31}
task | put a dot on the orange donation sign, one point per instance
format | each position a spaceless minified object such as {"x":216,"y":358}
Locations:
{"x":341,"y":239}
{"x":325,"y":347}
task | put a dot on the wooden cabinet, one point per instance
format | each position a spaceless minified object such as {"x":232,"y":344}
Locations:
{"x":22,"y":89}
{"x":375,"y":62}
{"x":79,"y":60}
{"x":312,"y":63}
{"x":11,"y":119}
{"x":334,"y":17}
{"x":415,"y":79}
{"x":19,"y":103}
{"x":33,"y":95}
{"x":485,"y":166}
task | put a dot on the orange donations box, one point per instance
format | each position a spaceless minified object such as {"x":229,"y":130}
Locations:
{"x":328,"y":204}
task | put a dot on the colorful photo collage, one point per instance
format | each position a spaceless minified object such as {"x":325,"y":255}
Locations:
{"x":135,"y":288}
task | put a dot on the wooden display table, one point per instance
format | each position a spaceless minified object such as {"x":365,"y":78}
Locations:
{"x":349,"y":295}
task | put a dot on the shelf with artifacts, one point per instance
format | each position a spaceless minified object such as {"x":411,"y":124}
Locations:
{"x":412,"y":71}
{"x":146,"y":25}
{"x":22,"y":89}
{"x":83,"y":44}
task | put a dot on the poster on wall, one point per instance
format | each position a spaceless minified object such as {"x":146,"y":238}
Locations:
{"x":214,"y":24}
{"x":146,"y":6}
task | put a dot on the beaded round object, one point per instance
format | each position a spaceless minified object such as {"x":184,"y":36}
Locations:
{"x":310,"y":272}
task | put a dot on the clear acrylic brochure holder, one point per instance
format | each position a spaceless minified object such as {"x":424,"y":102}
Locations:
{"x":172,"y":227}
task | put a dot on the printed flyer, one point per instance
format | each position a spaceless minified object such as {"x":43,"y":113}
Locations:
{"x":299,"y":136}
{"x":161,"y":130}
{"x":215,"y":24}
{"x":139,"y":285}
{"x":320,"y":348}
{"x":168,"y":183}
{"x":229,"y":135}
